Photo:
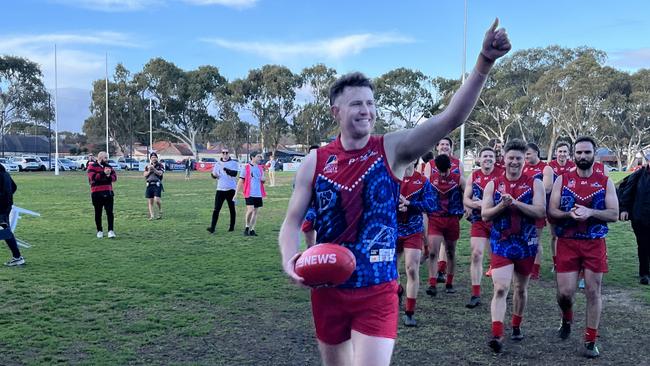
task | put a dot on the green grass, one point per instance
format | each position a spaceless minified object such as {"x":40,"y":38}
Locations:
{"x":166,"y":292}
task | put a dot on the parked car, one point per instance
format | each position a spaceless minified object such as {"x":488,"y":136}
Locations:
{"x":171,"y":164}
{"x":82,"y":163}
{"x":9,"y":166}
{"x":114,"y":164}
{"x":67,"y":164}
{"x":128,"y":163}
{"x":29,"y":163}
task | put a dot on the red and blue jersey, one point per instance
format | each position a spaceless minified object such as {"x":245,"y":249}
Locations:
{"x":479,"y":181}
{"x":447,"y":195}
{"x":513,"y":234}
{"x":355,"y":198}
{"x":599,"y":168}
{"x":455,"y":165}
{"x":536,"y":171}
{"x":419,"y":192}
{"x":561,"y":169}
{"x":589,"y":192}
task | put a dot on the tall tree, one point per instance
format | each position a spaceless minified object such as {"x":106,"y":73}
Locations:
{"x":403,"y":97}
{"x":269,"y":94}
{"x":183,"y":98}
{"x":23,"y":98}
{"x":313,"y":122}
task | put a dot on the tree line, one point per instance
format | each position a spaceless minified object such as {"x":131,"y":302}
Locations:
{"x":540,"y":94}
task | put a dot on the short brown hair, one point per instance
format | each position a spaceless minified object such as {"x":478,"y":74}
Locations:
{"x":353,"y":79}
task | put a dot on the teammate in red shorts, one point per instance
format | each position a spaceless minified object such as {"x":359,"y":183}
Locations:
{"x":353,"y":185}
{"x":538,"y":169}
{"x":512,"y":202}
{"x":444,"y":147}
{"x":582,"y":203}
{"x":416,"y":197}
{"x":480,"y":231}
{"x":560,"y":165}
{"x":444,"y":224}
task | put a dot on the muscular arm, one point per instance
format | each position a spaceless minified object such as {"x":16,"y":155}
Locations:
{"x":289,"y":238}
{"x":547,"y":179}
{"x":488,"y":209}
{"x":537,"y":209}
{"x":402,"y":147}
{"x":468,"y":197}
{"x":554,"y":202}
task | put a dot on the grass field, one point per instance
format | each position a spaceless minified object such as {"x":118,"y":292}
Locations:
{"x":166,"y":292}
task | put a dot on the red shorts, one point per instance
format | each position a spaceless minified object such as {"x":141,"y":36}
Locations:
{"x":522,"y":266}
{"x":307,"y":226}
{"x":446,"y":226}
{"x":413,"y":241}
{"x":576,"y":254}
{"x":372,"y":311}
{"x":480,"y":229}
{"x":540,"y":223}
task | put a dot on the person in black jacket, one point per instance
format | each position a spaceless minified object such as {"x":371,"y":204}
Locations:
{"x":634,"y":193}
{"x":7,"y":190}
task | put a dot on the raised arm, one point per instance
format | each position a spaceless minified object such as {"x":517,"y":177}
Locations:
{"x":404,"y":146}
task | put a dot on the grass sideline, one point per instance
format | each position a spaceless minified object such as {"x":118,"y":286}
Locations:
{"x":166,"y":292}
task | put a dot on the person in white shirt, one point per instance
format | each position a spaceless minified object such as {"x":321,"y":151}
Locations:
{"x":225,"y":171}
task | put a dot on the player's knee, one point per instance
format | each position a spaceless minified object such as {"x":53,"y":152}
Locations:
{"x":412,"y":270}
{"x":477,"y":256}
{"x":500,"y":291}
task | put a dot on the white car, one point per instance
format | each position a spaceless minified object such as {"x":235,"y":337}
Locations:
{"x":29,"y":163}
{"x":114,"y":164}
{"x":67,"y":164}
{"x":9,"y":166}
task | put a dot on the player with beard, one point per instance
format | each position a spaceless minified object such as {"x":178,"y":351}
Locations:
{"x":480,"y":231}
{"x":353,"y":184}
{"x":560,"y":165}
{"x":582,"y":203}
{"x":512,"y":202}
{"x":538,"y":169}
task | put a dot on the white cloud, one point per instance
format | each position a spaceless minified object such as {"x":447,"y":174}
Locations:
{"x":111,"y":5}
{"x":631,"y":59}
{"x":239,"y":4}
{"x":333,"y":49}
{"x":77,"y":67}
{"x":136,"y":5}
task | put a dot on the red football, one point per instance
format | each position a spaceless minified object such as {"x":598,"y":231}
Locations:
{"x":325,"y":264}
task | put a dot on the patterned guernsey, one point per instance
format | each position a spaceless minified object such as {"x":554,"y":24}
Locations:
{"x":536,"y":171}
{"x":589,"y":192}
{"x":355,"y":198}
{"x":447,"y":197}
{"x":455,"y":165}
{"x":599,"y":168}
{"x":479,"y":181}
{"x":513,"y":234}
{"x":418,"y":191}
{"x":561,"y":169}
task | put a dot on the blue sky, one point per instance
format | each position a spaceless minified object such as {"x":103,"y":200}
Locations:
{"x":238,"y":35}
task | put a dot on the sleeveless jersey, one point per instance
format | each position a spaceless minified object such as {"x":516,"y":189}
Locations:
{"x":479,"y":181}
{"x":447,"y":196}
{"x":455,"y":165}
{"x":355,"y":198}
{"x":559,"y":169}
{"x":599,"y":167}
{"x":536,"y":171}
{"x":589,"y":192}
{"x":418,"y":191}
{"x":513,"y":234}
